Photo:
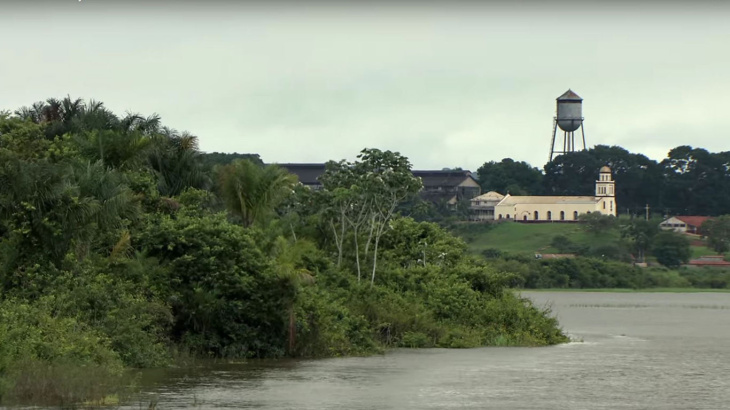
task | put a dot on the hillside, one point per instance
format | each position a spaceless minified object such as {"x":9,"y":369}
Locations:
{"x":536,"y":238}
{"x":519,"y":237}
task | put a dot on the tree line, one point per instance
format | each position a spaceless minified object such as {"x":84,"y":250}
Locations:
{"x":689,"y":181}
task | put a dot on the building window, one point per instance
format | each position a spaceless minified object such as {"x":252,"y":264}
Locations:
{"x":562,"y":215}
{"x":524,"y":217}
{"x":537,"y":216}
{"x":550,"y":216}
{"x":575,"y":215}
{"x":604,"y":205}
{"x":500,"y":216}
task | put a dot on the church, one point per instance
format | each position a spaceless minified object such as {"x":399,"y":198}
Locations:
{"x":495,"y":206}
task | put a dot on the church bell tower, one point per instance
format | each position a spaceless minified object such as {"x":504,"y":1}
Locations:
{"x":605,"y":185}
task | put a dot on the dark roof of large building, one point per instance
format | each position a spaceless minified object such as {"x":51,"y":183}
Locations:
{"x":442,"y":178}
{"x":308,"y":174}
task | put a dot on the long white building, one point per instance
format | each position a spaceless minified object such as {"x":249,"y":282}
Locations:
{"x":494,"y":206}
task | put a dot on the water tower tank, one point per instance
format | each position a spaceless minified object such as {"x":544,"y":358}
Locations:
{"x":570,"y":111}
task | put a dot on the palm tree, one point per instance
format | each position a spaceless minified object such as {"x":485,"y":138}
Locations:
{"x":176,"y":161}
{"x":251,"y":192}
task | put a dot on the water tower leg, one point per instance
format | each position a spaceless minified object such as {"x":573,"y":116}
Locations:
{"x":583,"y":131}
{"x":552,"y":142}
{"x":572,"y":141}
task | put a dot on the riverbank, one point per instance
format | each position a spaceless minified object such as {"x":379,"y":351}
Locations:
{"x":624,"y":290}
{"x":669,"y":349}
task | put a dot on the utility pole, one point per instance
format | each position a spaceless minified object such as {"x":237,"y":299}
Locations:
{"x":647,"y":211}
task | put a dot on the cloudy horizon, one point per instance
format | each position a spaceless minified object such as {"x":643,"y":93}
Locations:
{"x":446,"y":84}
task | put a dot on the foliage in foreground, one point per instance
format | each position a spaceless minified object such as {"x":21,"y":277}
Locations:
{"x":116,"y":251}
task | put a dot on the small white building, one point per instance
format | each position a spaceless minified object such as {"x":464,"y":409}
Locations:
{"x":482,"y":207}
{"x":547,"y":208}
{"x":684,"y":224}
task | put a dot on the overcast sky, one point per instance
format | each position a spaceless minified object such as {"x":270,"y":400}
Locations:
{"x":446,"y":84}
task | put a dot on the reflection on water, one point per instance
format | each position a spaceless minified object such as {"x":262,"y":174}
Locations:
{"x":638,"y":351}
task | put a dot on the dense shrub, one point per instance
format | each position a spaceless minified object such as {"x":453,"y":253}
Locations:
{"x":226,"y":298}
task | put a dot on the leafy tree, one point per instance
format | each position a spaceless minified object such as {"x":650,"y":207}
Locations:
{"x":717,"y":231}
{"x":671,"y":249}
{"x":175,"y":159}
{"x":597,"y":223}
{"x":226,"y":299}
{"x":212,"y":159}
{"x":640,"y":233}
{"x":368,"y":192}
{"x":571,"y":174}
{"x":251,"y":191}
{"x":517,"y":178}
{"x":697,"y":181}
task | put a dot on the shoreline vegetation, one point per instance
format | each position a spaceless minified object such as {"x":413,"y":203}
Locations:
{"x":596,"y":254}
{"x":122,"y":246}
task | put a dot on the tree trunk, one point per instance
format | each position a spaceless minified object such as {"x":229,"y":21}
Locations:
{"x":357,"y":255}
{"x":378,"y":234}
{"x":338,"y":243}
{"x":370,"y":236}
{"x":375,"y":260}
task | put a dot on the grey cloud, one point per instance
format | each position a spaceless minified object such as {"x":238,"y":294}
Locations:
{"x":446,"y":86}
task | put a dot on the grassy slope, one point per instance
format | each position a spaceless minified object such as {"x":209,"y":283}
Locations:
{"x":534,"y":238}
{"x":523,"y":238}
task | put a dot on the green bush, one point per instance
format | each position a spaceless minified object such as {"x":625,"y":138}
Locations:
{"x":226,"y":298}
{"x":32,"y":337}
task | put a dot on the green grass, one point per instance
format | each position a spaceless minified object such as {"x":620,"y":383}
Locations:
{"x":516,"y":237}
{"x":700,"y":251}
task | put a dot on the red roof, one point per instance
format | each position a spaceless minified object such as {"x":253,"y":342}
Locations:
{"x":693,"y":220}
{"x":698,"y":262}
{"x":710,"y":260}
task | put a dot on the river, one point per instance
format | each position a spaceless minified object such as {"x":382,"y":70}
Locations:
{"x":634,"y":351}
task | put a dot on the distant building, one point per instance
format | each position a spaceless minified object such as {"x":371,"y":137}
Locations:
{"x":547,"y":208}
{"x":308,"y":174}
{"x":449,"y":186}
{"x":684,"y":224}
{"x":709,"y":260}
{"x":482,"y":206}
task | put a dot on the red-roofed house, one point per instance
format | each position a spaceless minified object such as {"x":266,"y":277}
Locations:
{"x":709,"y":260}
{"x":684,"y":224}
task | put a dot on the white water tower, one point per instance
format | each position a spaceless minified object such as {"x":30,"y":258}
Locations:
{"x":569,"y":118}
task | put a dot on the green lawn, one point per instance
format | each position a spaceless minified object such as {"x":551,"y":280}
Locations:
{"x":523,"y":238}
{"x":699,"y":251}
{"x":516,"y":237}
